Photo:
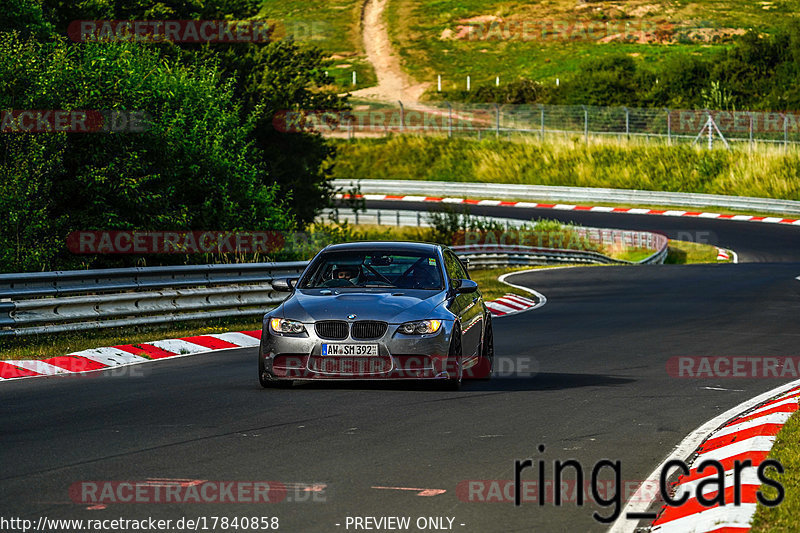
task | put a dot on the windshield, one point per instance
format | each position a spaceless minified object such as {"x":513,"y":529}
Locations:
{"x":401,"y":270}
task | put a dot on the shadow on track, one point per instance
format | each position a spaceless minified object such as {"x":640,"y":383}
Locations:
{"x":541,"y":381}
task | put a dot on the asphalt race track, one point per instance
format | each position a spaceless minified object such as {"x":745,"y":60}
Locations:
{"x":585,"y":375}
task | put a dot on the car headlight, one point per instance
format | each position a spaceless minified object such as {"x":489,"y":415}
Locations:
{"x":282,"y":325}
{"x":420,"y":327}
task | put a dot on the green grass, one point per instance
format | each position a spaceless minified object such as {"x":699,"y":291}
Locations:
{"x":44,"y":346}
{"x":683,"y":252}
{"x":783,"y":518}
{"x":419,"y":31}
{"x":331,"y":25}
{"x":491,"y":288}
{"x":769,"y":172}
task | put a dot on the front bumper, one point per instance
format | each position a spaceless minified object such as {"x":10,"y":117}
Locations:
{"x":399,"y":356}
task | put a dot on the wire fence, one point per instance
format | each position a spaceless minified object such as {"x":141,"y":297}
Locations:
{"x":709,"y":128}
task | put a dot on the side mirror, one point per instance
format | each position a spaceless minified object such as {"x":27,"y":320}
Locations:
{"x":283,"y":284}
{"x":466,"y":286}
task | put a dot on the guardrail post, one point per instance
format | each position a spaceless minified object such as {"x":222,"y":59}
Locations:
{"x":379,"y":217}
{"x":398,"y":217}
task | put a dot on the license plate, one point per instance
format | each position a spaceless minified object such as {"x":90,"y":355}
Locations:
{"x":366,"y":350}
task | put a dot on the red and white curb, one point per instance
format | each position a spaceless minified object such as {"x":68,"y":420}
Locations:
{"x":126,"y":354}
{"x":510,"y":304}
{"x":747,"y":437}
{"x":725,"y":255}
{"x":575,"y":207}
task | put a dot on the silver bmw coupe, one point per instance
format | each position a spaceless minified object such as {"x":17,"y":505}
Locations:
{"x":378,"y":310}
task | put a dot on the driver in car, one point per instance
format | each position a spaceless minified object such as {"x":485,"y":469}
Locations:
{"x":343,"y":276}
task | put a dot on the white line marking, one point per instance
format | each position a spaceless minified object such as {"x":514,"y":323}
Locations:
{"x":110,"y":356}
{"x":774,"y":418}
{"x":40,"y":367}
{"x":178,"y":346}
{"x":748,"y":477}
{"x":234,"y":337}
{"x":712,"y":520}
{"x":494,"y":306}
{"x":761,"y":443}
{"x":640,"y":501}
{"x":420,"y":492}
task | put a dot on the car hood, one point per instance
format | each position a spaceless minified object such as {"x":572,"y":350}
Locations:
{"x":310,"y":305}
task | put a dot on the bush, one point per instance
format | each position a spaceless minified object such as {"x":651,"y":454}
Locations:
{"x":194,"y":168}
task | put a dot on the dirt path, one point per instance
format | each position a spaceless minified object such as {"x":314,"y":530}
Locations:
{"x":393,"y":83}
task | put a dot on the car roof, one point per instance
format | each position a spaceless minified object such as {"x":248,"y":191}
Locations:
{"x":403,"y":246}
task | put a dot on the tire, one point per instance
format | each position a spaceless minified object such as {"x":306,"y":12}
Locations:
{"x":267,"y":381}
{"x":487,"y":349}
{"x":454,"y":354}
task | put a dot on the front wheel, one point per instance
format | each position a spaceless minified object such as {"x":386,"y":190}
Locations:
{"x":454,"y":361}
{"x":487,"y":351}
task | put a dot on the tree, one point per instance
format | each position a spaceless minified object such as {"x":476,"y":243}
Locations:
{"x":193,"y":168}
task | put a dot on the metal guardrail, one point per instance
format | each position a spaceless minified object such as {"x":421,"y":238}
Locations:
{"x":554,"y":193}
{"x":52,"y":302}
{"x":491,"y":255}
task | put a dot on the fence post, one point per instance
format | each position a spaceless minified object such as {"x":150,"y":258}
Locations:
{"x":627,"y":123}
{"x":449,"y":119}
{"x":751,"y":130}
{"x":585,"y":124}
{"x":669,"y":127}
{"x":785,"y":131}
{"x":402,"y":116}
{"x":541,"y":122}
{"x":497,"y":120}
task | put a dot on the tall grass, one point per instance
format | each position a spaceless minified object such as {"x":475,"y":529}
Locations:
{"x":766,"y":172}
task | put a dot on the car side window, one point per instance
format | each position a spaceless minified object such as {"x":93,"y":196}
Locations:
{"x":454,"y":269}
